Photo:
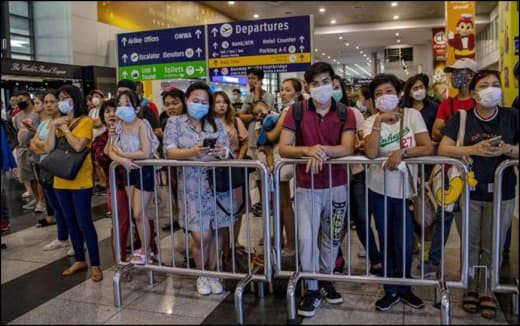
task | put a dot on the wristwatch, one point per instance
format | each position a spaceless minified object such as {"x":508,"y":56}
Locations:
{"x":404,"y":153}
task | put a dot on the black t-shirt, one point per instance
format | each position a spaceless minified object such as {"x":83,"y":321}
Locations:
{"x":149,"y":115}
{"x":504,"y":124}
{"x":429,"y":112}
{"x":163,"y":120}
{"x":516,"y":104}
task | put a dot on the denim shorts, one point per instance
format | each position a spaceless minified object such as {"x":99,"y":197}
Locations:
{"x":148,"y":178}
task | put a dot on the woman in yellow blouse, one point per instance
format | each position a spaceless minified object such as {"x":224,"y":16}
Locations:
{"x":75,"y":196}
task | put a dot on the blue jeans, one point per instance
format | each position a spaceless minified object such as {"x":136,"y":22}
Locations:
{"x":357,"y":204}
{"x":76,"y":205}
{"x":435,"y":255}
{"x":394,"y":263}
{"x":61,"y":223}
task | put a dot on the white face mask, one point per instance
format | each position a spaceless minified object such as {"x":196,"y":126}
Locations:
{"x":322,"y":94}
{"x":360,"y":106}
{"x":387,"y":102}
{"x":419,"y":95}
{"x":490,"y":97}
{"x":95,"y":101}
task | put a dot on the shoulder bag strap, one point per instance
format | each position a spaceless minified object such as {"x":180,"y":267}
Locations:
{"x":411,"y":183}
{"x":298,"y":116}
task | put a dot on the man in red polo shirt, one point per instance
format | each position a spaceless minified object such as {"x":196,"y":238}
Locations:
{"x":320,"y":137}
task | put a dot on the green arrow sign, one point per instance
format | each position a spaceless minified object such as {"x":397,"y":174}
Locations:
{"x":179,"y":70}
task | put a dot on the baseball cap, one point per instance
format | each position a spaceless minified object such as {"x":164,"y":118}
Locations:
{"x":97,"y":91}
{"x":127,"y":83}
{"x":463,"y":63}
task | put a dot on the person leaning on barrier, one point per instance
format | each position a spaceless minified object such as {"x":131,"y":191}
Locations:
{"x":75,"y":196}
{"x":174,"y":105}
{"x":319,"y":136}
{"x":384,"y":138}
{"x":237,"y":134}
{"x":486,"y":121}
{"x":291,"y":92}
{"x":135,"y":140}
{"x":184,"y":137}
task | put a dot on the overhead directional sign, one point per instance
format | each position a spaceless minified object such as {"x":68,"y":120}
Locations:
{"x":162,"y":54}
{"x":275,"y":45}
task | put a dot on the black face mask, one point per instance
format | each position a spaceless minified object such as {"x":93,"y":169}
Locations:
{"x":23,"y":105}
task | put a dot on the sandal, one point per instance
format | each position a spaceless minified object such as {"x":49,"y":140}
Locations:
{"x":470,"y":302}
{"x":97,"y":274}
{"x":74,"y":269}
{"x":488,"y":306}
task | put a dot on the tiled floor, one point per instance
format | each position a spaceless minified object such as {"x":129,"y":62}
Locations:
{"x":173,"y":299}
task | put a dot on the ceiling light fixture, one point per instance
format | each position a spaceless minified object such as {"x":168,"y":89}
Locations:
{"x":394,"y":4}
{"x":347,"y":44}
{"x":322,"y":9}
{"x":323,"y":53}
{"x":365,"y":55}
{"x":328,"y":57}
{"x":341,"y":37}
{"x":361,"y":51}
{"x":231,"y":2}
{"x":396,"y":17}
{"x":397,"y":34}
{"x":315,"y":50}
{"x":255,"y":16}
{"x":398,"y":41}
{"x":333,"y":21}
{"x":357,"y":47}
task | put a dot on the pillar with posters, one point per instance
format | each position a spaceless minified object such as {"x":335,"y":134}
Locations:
{"x":508,"y":48}
{"x":460,"y":29}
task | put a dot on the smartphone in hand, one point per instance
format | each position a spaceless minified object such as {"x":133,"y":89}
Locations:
{"x":495,"y":141}
{"x":209,"y":142}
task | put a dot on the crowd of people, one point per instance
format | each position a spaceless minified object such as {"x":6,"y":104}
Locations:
{"x":319,"y":120}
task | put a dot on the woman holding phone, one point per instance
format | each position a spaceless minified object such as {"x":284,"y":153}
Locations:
{"x":490,"y":138}
{"x":197,"y":135}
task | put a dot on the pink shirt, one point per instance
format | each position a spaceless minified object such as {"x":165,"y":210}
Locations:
{"x":236,"y":136}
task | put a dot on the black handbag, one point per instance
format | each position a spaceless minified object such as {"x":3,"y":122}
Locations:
{"x":222,"y":183}
{"x":64,"y":162}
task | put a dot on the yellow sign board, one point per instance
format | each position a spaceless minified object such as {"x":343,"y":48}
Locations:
{"x":286,"y":58}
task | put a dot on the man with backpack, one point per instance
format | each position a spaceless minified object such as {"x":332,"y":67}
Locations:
{"x":319,"y":129}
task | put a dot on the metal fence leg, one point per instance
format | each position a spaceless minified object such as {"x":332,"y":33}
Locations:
{"x":445,"y":304}
{"x":151,"y":279}
{"x":118,"y":299}
{"x":239,"y":291}
{"x":260,"y":287}
{"x":291,"y":302}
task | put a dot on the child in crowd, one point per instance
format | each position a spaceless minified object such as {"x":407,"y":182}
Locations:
{"x":265,"y":121}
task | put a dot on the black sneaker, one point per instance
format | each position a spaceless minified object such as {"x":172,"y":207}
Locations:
{"x":412,"y":300}
{"x":257,"y":210}
{"x":377,"y":271}
{"x":386,"y":303}
{"x":328,"y":291}
{"x":311,"y":301}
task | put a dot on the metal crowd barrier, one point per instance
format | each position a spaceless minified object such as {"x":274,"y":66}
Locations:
{"x":245,"y":278}
{"x":496,"y":241}
{"x":297,"y":274}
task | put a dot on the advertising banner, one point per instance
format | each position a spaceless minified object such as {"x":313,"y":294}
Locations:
{"x":274,"y":45}
{"x":460,"y":29}
{"x":172,"y":53}
{"x":508,"y":49}
{"x":440,"y":44}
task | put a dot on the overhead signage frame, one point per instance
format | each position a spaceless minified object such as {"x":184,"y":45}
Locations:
{"x":274,"y":45}
{"x":173,"y":53}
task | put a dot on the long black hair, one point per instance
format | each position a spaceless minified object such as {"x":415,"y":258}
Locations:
{"x":210,"y":117}
{"x":407,"y":97}
{"x":79,"y":105}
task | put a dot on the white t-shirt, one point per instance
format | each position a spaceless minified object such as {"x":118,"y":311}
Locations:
{"x":389,"y":142}
{"x":94,"y":114}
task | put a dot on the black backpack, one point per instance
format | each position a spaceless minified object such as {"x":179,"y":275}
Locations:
{"x":341,"y":112}
{"x":11,"y":134}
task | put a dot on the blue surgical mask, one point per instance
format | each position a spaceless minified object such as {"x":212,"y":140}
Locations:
{"x":459,"y":79}
{"x":234,"y":98}
{"x":65,"y":106}
{"x":337,"y":95}
{"x":197,"y":110}
{"x":126,"y":113}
